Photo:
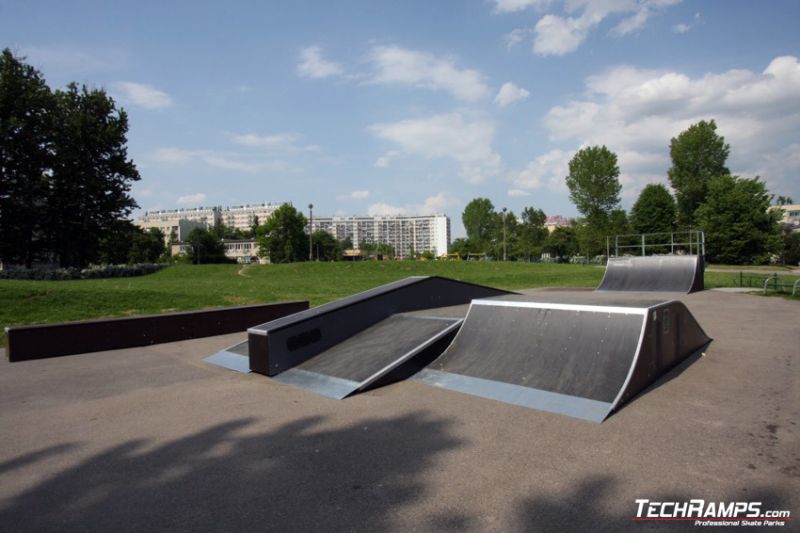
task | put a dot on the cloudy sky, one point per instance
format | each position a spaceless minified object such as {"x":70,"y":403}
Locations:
{"x":416,"y":107}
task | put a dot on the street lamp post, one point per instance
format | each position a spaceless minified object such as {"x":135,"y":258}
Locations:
{"x":310,"y":231}
{"x":504,"y":233}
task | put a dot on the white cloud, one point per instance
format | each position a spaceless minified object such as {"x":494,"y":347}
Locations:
{"x":636,"y":112}
{"x":510,"y":94}
{"x":681,"y":28}
{"x":436,"y":204}
{"x":400,"y":66}
{"x":220,"y":160}
{"x":518,"y":193}
{"x":381,"y":209}
{"x":359,"y":195}
{"x":287,"y":142}
{"x":191,"y":199}
{"x":548,"y":169}
{"x":313,"y":65}
{"x":510,"y":6}
{"x":514,"y":37}
{"x":448,"y":136}
{"x":384,"y":160}
{"x":142,"y":95}
{"x":559,"y":35}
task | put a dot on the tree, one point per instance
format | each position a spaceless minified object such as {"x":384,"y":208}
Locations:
{"x":698,"y":155}
{"x":325,"y":246}
{"x":26,"y":129}
{"x":784,"y":200}
{"x":593,"y":182}
{"x":205,"y":247}
{"x":532,"y":233}
{"x":739,"y":225}
{"x":480,"y":221}
{"x":148,"y":246}
{"x":283,"y":238}
{"x":791,"y":248}
{"x":91,"y":174}
{"x":654,"y":210}
{"x":562,"y":243}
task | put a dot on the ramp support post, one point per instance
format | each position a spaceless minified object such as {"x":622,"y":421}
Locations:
{"x":643,"y":254}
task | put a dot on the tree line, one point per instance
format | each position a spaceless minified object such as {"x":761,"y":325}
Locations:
{"x":734,"y":212}
{"x":65,"y":175}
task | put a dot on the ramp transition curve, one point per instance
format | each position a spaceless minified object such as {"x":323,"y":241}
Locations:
{"x":654,"y":273}
{"x":574,"y":359}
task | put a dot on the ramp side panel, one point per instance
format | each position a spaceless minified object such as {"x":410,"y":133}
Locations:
{"x":672,"y":335}
{"x":673,"y":273}
{"x":576,"y":353}
{"x":282,"y":344}
{"x":375,"y":348}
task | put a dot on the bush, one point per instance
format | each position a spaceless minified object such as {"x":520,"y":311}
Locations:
{"x":92,"y":272}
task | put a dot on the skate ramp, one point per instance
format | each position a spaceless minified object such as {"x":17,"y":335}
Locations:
{"x":579,"y":360}
{"x":288,"y":342}
{"x":654,"y":273}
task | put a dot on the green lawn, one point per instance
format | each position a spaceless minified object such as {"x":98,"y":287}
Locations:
{"x":185,"y":287}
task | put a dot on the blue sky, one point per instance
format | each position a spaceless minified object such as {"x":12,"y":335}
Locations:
{"x":416,"y":107}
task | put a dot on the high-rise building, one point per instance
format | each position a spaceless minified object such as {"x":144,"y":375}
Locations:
{"x":243,"y":216}
{"x":425,"y":233}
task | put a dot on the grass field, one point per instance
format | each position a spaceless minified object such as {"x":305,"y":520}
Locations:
{"x":184,"y":287}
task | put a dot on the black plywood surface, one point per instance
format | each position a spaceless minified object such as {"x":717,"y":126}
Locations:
{"x":375,"y":348}
{"x":586,"y":354}
{"x":660,"y":273}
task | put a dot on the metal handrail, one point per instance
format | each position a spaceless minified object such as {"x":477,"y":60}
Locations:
{"x":698,"y":243}
{"x":766,"y":281}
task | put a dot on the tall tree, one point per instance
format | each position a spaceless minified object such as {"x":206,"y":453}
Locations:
{"x":698,"y":154}
{"x":25,"y":156}
{"x":480,"y":222}
{"x":326,"y":247}
{"x":562,"y":243}
{"x":594,"y":188}
{"x":739,"y":225}
{"x":654,"y":210}
{"x":531,"y":233}
{"x":92,"y":175}
{"x":282,"y":238}
{"x":205,"y":247}
{"x":593,"y":182}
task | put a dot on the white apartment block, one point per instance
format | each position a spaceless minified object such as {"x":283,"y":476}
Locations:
{"x":152,"y":219}
{"x":428,"y":233}
{"x":243,"y":216}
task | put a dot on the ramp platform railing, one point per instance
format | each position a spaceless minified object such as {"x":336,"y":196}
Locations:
{"x":691,"y":242}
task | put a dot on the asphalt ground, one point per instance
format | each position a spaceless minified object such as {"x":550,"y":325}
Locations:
{"x":153,"y":438}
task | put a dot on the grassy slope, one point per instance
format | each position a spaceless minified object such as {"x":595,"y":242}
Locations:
{"x":190,"y":287}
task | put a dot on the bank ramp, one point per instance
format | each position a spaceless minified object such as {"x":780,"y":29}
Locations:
{"x":654,"y":273}
{"x":347,"y":345}
{"x":568,"y":358}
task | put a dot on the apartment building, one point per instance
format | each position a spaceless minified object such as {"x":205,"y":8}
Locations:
{"x":426,"y":233}
{"x":179,"y":222}
{"x":244,"y":216}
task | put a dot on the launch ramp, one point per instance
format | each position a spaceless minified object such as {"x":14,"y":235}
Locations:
{"x":654,"y":273}
{"x":574,"y":359}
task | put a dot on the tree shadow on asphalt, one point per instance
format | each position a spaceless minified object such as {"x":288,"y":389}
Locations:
{"x":304,"y":475}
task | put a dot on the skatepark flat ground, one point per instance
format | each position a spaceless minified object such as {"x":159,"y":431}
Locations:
{"x":154,"y":438}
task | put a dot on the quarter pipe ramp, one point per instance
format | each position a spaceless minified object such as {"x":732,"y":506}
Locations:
{"x":654,"y":273}
{"x":573,"y":359}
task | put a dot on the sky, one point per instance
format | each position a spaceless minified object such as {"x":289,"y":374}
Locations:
{"x":379,"y":107}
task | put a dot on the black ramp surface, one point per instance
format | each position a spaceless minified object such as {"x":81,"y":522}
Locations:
{"x":367,"y":356}
{"x":279,"y":345}
{"x":573,"y":359}
{"x":555,"y":350}
{"x":658,"y":273}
